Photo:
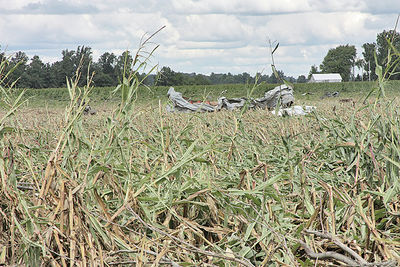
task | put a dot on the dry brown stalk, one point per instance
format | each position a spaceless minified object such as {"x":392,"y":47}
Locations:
{"x":92,"y":253}
{"x":327,"y":255}
{"x":60,"y":248}
{"x":332,"y":210}
{"x":160,"y":256}
{"x":83,"y":254}
{"x":338,"y":243}
{"x":358,"y":261}
{"x":12,"y":229}
{"x":186,"y":246}
{"x":71,"y":228}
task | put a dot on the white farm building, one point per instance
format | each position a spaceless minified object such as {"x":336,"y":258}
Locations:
{"x":325,"y":78}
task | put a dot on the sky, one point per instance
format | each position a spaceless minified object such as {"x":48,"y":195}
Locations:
{"x":201,"y":36}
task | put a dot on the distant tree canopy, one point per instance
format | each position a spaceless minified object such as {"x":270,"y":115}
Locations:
{"x":343,"y":60}
{"x":107,"y":71}
{"x":383,"y":42}
{"x":369,"y":65}
{"x":313,"y":70}
{"x":380,"y":48}
{"x":301,"y":79}
{"x":340,"y":60}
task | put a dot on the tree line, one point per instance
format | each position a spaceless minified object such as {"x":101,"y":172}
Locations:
{"x":168,"y":77}
{"x":343,"y":59}
{"x":34,"y":73}
{"x":108,"y":69}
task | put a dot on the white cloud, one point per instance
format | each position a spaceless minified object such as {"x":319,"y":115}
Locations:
{"x":48,"y":7}
{"x":200,"y":35}
{"x":338,"y":5}
{"x":214,"y":27}
{"x":240,"y":7}
{"x":16,"y":4}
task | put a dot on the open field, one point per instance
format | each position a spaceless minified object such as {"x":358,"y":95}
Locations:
{"x":60,"y":97}
{"x":136,"y":185}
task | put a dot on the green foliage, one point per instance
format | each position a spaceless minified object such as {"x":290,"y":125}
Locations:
{"x":301,"y":79}
{"x":137,"y":185}
{"x":313,"y":70}
{"x":109,"y":70}
{"x":368,"y":54}
{"x":9,"y":101}
{"x":105,"y":70}
{"x":392,"y":65}
{"x":59,"y":96}
{"x":386,"y":43}
{"x":340,"y":60}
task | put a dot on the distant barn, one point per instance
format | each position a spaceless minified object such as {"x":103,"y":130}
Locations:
{"x":325,"y":78}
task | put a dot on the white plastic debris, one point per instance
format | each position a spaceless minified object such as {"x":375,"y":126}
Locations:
{"x":295,"y":111}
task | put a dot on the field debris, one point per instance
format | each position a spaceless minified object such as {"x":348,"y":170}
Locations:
{"x":282,"y":94}
{"x":330,"y":94}
{"x":180,"y":104}
{"x":88,"y":110}
{"x":307,"y":93}
{"x":294,"y":111}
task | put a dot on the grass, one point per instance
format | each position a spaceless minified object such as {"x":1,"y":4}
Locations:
{"x":135,"y":185}
{"x":56,"y":97}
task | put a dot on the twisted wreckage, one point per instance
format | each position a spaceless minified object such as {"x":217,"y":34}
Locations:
{"x":282,"y":94}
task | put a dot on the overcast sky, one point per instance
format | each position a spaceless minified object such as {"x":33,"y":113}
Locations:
{"x":201,"y":36}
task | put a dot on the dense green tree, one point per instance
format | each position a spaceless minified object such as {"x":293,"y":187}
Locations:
{"x":109,"y":70}
{"x":36,"y":74}
{"x":360,"y":64}
{"x":229,"y":78}
{"x":340,"y":60}
{"x":221,"y":78}
{"x":49,"y":81}
{"x":18,"y":62}
{"x":262,"y":77}
{"x":166,"y":77}
{"x":83,"y":59}
{"x":369,"y":60}
{"x":64,"y":68}
{"x":124,"y":63}
{"x":313,"y":70}
{"x":382,"y":46}
{"x":245,"y":78}
{"x":381,"y":49}
{"x":301,"y":79}
{"x":105,"y":73}
{"x":200,"y":79}
{"x":70,"y":62}
{"x":274,"y":79}
{"x":107,"y":63}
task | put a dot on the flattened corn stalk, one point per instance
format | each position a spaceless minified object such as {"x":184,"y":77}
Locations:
{"x":153,"y":189}
{"x":186,"y":246}
{"x":355,"y":261}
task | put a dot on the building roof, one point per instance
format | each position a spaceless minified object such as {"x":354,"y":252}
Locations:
{"x":326,"y":76}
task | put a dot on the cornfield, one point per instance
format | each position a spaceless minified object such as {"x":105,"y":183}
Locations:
{"x":135,"y":185}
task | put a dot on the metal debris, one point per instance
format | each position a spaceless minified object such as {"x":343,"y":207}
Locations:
{"x":281,"y":94}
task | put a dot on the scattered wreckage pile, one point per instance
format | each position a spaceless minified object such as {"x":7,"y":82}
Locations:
{"x":282,"y":94}
{"x":88,"y":110}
